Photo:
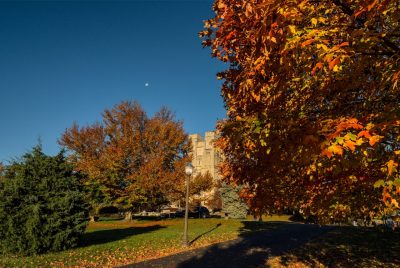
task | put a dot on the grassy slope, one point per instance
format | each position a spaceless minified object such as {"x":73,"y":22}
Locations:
{"x":112,"y":243}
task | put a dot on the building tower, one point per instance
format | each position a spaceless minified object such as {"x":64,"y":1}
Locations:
{"x":205,"y":157}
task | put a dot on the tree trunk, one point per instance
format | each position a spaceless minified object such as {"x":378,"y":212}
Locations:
{"x":128,"y":216}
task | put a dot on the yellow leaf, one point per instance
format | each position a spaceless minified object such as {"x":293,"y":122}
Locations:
{"x":336,"y":149}
{"x":314,"y":21}
{"x":336,"y":68}
{"x":324,"y":47}
{"x":379,"y":183}
{"x":292,"y":29}
{"x":369,"y":126}
{"x":359,"y":142}
{"x":328,"y":57}
{"x":353,"y":178}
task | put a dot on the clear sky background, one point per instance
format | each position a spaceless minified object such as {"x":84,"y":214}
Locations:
{"x":66,"y":61}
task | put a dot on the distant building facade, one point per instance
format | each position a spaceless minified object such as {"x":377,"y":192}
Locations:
{"x":205,"y":157}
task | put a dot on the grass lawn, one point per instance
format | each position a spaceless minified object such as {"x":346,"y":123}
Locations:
{"x":112,"y":243}
{"x":345,"y":247}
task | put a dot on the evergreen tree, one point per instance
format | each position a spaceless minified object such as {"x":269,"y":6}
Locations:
{"x":41,"y":205}
{"x":232,"y":205}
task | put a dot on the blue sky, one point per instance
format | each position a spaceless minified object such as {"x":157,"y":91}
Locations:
{"x":64,"y":62}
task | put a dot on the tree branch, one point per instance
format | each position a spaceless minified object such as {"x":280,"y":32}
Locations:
{"x":344,"y":7}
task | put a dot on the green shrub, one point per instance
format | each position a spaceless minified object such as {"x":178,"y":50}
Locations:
{"x":41,"y":205}
{"x":232,"y":205}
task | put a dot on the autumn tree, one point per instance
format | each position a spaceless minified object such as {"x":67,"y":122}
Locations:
{"x":1,"y":170}
{"x":200,"y":188}
{"x":131,"y":160}
{"x":201,"y":183}
{"x":313,"y":102}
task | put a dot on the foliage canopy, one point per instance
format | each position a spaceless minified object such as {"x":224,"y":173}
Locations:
{"x":42,"y":207}
{"x":130,"y":160}
{"x":312,"y":93}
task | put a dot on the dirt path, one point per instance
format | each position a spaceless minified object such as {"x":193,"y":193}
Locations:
{"x":250,"y":250}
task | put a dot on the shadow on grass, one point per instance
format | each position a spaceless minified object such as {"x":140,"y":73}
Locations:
{"x":256,"y":243}
{"x":147,"y":218}
{"x":215,"y":216}
{"x":203,"y":234}
{"x":106,"y":219}
{"x":348,"y":246}
{"x":111,"y":235}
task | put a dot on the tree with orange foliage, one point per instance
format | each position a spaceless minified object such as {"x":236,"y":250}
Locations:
{"x":2,"y":170}
{"x":131,"y":160}
{"x":313,"y":96}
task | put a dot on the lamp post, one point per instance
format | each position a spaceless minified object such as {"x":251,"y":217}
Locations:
{"x":188,"y":171}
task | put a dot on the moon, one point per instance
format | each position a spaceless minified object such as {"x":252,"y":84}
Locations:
{"x":146,"y":84}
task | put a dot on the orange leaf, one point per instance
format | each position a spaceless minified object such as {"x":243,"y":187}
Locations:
{"x":358,"y":13}
{"x":333,"y":63}
{"x":230,"y":35}
{"x":373,"y":140}
{"x":318,"y":66}
{"x":327,"y":153}
{"x":392,"y":166}
{"x":396,"y":76}
{"x":308,"y":42}
{"x":364,"y":133}
{"x":350,"y":144}
{"x":370,"y":6}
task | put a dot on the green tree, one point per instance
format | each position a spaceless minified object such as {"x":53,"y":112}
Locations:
{"x":42,"y":207}
{"x":232,"y":204}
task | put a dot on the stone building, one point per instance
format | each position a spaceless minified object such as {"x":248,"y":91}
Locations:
{"x":205,"y":156}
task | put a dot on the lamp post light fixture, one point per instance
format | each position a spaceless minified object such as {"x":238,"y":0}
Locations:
{"x":189,"y":172}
